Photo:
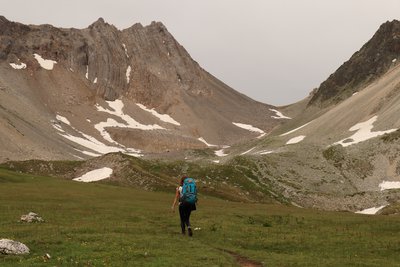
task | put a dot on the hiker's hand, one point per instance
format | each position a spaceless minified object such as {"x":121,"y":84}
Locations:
{"x":173,"y":208}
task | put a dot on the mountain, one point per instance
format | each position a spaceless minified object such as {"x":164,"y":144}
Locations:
{"x":79,"y":93}
{"x":373,"y":60}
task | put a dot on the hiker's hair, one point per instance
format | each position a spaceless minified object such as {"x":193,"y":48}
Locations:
{"x":182,"y":179}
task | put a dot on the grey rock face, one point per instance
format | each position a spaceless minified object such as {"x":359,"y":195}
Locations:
{"x":11,"y":247}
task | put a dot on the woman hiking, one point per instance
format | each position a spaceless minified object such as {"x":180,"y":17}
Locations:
{"x":186,"y":195}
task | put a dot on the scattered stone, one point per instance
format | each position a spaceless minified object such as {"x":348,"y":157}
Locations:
{"x":11,"y":247}
{"x":31,"y":217}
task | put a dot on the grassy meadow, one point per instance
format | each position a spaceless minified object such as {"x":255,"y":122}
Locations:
{"x":107,"y":225}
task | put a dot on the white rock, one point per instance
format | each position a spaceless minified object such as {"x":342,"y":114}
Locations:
{"x":31,"y":217}
{"x":11,"y":247}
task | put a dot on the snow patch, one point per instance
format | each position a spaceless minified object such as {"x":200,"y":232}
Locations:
{"x":95,"y":80}
{"x":248,"y":151}
{"x":248,"y":127}
{"x":215,"y":161}
{"x":126,"y":50}
{"x":385,"y":185}
{"x":265,"y":152}
{"x":363,"y":133}
{"x":95,"y":175}
{"x":87,"y":72}
{"x":47,"y":64}
{"x":97,"y":146}
{"x":19,"y":66}
{"x":220,"y":153}
{"x":163,"y":117}
{"x":296,"y":139}
{"x":117,"y":107}
{"x":279,"y":115}
{"x":394,"y":60}
{"x":370,"y":211}
{"x":128,"y":73}
{"x":201,"y":139}
{"x":292,"y":131}
{"x":63,"y":119}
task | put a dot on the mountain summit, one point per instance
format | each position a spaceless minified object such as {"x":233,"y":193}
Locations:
{"x":77,"y":93}
{"x":365,"y":66}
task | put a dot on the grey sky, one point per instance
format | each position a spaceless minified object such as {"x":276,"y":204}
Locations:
{"x":275,"y":51}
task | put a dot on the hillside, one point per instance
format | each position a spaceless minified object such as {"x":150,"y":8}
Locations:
{"x":80,"y":93}
{"x":104,"y":225}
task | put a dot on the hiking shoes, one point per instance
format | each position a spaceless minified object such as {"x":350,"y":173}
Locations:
{"x":190,"y":232}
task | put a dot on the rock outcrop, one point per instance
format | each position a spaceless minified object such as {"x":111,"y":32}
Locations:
{"x":11,"y":247}
{"x":31,"y":217}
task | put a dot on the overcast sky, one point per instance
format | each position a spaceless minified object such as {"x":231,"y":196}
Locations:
{"x":275,"y":51}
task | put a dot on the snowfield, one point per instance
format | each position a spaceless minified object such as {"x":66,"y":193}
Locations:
{"x":386,"y":185}
{"x":279,"y":115}
{"x":95,"y":175}
{"x":128,"y":74}
{"x":363,"y":133}
{"x":371,"y":211}
{"x":296,"y":139}
{"x":201,"y":139}
{"x":19,"y":66}
{"x":294,"y":130}
{"x":46,"y":64}
{"x":163,"y":117}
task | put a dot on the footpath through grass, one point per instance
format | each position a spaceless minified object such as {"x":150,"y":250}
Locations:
{"x":103,"y":225}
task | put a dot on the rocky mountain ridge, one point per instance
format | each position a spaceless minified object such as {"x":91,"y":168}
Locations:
{"x":133,"y":90}
{"x":373,"y":60}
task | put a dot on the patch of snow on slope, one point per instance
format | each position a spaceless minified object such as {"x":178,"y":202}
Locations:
{"x":279,"y":115}
{"x":19,"y":66}
{"x":363,"y":133}
{"x":394,"y":60}
{"x":385,"y":185}
{"x":370,"y":211}
{"x":63,"y":119}
{"x":220,"y":153}
{"x":95,"y":80}
{"x":128,"y":73}
{"x":292,"y":131}
{"x":251,"y":149}
{"x":97,"y":146}
{"x":87,"y":72}
{"x":47,"y":64}
{"x":126,"y":50}
{"x":265,"y":152}
{"x":95,"y":175}
{"x":296,"y":139}
{"x":249,"y":128}
{"x":201,"y":139}
{"x":117,"y":107}
{"x":163,"y":117}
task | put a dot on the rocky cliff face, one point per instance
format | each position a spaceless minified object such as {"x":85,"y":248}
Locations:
{"x":374,"y":59}
{"x":137,"y":87}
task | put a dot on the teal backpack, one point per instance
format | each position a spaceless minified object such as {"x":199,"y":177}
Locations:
{"x":189,"y":191}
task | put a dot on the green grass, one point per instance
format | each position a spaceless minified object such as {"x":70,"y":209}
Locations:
{"x":105,"y":225}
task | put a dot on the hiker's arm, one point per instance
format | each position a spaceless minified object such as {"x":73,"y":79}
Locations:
{"x":175,"y":200}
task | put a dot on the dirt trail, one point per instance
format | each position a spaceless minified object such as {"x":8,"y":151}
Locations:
{"x":242,"y":260}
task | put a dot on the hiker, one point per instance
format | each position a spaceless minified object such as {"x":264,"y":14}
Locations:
{"x":186,"y":195}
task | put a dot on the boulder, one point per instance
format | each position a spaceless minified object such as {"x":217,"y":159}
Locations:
{"x":11,"y":247}
{"x":31,"y":217}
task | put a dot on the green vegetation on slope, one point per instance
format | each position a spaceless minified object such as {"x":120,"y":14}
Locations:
{"x":105,"y":225}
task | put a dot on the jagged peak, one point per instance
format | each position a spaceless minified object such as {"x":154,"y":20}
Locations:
{"x":100,"y":23}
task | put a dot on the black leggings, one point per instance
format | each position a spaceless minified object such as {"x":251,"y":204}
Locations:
{"x":184,"y":213}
